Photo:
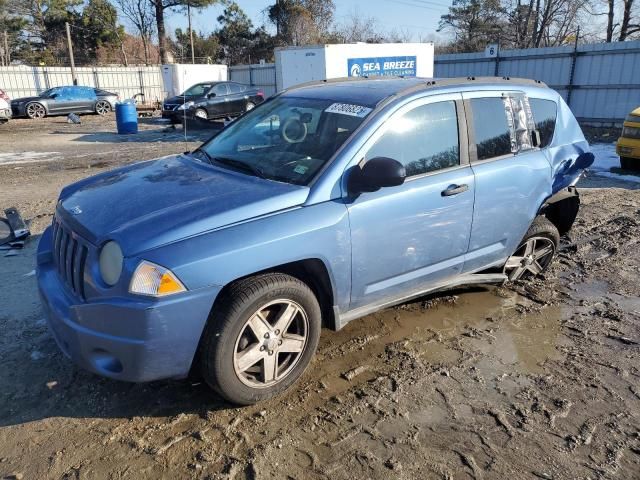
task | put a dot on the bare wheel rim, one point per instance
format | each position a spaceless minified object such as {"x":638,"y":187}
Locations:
{"x":250,"y":106}
{"x":103,"y":108}
{"x":271,"y":343}
{"x":201,"y":114}
{"x":532,"y":257}
{"x":35,"y":110}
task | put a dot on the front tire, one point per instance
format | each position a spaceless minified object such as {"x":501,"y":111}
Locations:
{"x":536,"y":251}
{"x":35,"y":110}
{"x":202,"y":114}
{"x":249,"y":106}
{"x":627,"y":163}
{"x":260,"y":337}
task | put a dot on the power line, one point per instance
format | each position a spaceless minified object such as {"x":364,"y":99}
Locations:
{"x":425,"y":7}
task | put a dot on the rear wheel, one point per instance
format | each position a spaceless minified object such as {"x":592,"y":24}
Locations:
{"x":260,"y":337}
{"x":534,"y":254}
{"x":627,"y":163}
{"x":103,"y":107}
{"x":35,"y":110}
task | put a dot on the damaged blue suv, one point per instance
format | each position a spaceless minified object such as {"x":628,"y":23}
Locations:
{"x":323,"y":204}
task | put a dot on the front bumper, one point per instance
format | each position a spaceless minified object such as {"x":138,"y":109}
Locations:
{"x":134,"y":339}
{"x":18,"y":110}
{"x":5,"y":113}
{"x":628,"y":147}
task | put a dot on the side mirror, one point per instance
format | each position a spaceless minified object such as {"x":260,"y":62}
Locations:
{"x":53,"y":95}
{"x":211,"y":95}
{"x":536,"y":140}
{"x":584,"y":160}
{"x":377,"y":173}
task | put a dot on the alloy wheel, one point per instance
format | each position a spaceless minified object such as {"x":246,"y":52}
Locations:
{"x":271,"y":343}
{"x":200,"y":113}
{"x":102,"y":108}
{"x":531,"y":258}
{"x":250,"y":106}
{"x":35,"y":110}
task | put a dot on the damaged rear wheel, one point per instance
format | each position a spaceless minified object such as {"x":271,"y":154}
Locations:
{"x":536,"y":251}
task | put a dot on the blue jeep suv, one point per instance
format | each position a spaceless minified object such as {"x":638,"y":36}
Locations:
{"x":325,"y":203}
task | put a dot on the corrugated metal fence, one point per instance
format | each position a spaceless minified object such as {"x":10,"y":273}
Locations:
{"x":22,"y":81}
{"x":257,"y":75}
{"x":601,"y":82}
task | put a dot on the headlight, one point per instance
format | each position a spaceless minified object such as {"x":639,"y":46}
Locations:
{"x":154,"y":280}
{"x":186,"y":105}
{"x":111,"y":263}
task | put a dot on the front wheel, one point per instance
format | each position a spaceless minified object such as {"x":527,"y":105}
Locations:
{"x":35,"y":110}
{"x":201,"y":113}
{"x":627,"y":163}
{"x":249,"y":106}
{"x":534,"y":254}
{"x":260,"y":337}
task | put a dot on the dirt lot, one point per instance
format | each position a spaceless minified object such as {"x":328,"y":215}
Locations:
{"x":537,"y":380}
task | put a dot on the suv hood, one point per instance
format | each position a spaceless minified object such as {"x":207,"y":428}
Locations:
{"x":152,"y":203}
{"x":24,"y":99}
{"x":179,"y":100}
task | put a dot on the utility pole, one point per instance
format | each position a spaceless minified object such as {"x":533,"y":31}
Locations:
{"x":73,"y":63}
{"x":193,"y":56}
{"x":277,"y":18}
{"x":7,"y":54}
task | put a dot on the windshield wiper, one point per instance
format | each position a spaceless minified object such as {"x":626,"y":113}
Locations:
{"x":238,"y":165}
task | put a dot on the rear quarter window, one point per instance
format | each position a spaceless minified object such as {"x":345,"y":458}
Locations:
{"x":544,"y":115}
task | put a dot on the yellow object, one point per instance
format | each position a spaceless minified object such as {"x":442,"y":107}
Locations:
{"x":628,"y":146}
{"x":169,"y":284}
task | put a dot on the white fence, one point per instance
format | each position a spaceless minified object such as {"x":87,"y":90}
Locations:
{"x":23,"y":81}
{"x":257,"y":75}
{"x":601,"y":82}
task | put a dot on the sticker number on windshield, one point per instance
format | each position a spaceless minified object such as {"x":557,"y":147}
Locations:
{"x":349,"y":109}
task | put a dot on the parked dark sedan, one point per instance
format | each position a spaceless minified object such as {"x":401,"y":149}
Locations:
{"x":64,"y":100}
{"x":209,"y":100}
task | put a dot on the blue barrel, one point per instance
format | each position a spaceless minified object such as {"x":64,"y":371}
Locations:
{"x":126,"y":117}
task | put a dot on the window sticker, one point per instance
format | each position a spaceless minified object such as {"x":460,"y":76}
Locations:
{"x":349,"y":109}
{"x":301,"y":169}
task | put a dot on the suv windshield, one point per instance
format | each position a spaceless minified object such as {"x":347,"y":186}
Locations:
{"x":197,"y":90}
{"x":287,"y":139}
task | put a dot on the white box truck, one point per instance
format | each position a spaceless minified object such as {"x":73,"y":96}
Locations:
{"x":178,"y":77}
{"x":295,"y":65}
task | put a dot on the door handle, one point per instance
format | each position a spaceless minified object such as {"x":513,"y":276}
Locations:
{"x":454,"y":190}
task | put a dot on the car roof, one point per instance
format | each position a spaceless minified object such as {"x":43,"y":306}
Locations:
{"x":373,"y":90}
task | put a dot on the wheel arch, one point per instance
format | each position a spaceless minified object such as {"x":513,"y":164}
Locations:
{"x":311,"y":271}
{"x":561,"y":209}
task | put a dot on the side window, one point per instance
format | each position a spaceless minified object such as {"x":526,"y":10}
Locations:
{"x":544,"y":115}
{"x":234,"y":88}
{"x":424,"y":139}
{"x":220,"y":89}
{"x":491,"y":127}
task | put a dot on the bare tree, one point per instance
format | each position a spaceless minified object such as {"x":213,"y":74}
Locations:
{"x":142,"y":17}
{"x":358,"y":28}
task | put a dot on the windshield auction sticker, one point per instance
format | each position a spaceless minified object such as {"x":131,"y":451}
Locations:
{"x":349,"y":109}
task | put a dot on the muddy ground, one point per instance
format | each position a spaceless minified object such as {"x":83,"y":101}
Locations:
{"x":537,"y":380}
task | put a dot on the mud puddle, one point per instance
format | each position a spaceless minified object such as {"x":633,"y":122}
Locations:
{"x":440,"y":330}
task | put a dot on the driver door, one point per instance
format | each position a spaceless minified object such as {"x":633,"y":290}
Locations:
{"x":411,"y":237}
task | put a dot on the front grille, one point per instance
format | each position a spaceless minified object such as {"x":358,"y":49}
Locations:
{"x":69,"y":256}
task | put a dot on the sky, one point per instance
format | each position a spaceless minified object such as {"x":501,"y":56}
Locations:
{"x":419,"y":18}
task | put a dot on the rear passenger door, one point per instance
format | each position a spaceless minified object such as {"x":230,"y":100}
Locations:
{"x":512,"y":176}
{"x":237,"y":99}
{"x":411,"y":237}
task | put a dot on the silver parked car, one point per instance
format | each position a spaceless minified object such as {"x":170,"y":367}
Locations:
{"x":65,"y":100}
